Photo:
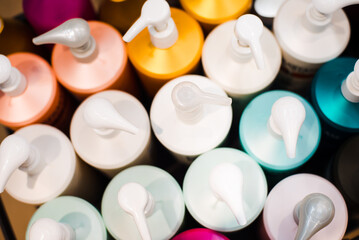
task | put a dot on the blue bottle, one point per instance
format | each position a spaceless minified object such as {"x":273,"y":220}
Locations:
{"x":335,"y":97}
{"x":280,"y":130}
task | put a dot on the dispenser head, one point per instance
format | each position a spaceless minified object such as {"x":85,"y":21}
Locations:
{"x":102,"y":116}
{"x":14,"y":152}
{"x":350,"y":86}
{"x":312,"y":214}
{"x":248,"y":31}
{"x":226,"y":182}
{"x":156,"y":15}
{"x":188,"y":100}
{"x":286,"y":120}
{"x":330,"y":6}
{"x":138,"y":202}
{"x":12,"y":81}
{"x":74,"y":33}
{"x":49,"y":229}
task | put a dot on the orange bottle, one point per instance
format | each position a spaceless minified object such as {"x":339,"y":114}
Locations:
{"x":89,"y":57}
{"x":211,"y":13}
{"x":171,"y":46}
{"x":29,"y":93}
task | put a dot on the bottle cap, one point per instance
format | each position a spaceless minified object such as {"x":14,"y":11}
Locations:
{"x":350,"y":86}
{"x":102,"y":116}
{"x":267,"y":8}
{"x":188,"y":100}
{"x":49,"y":229}
{"x":16,"y":152}
{"x":75,"y":34}
{"x":287,"y":117}
{"x":156,"y":15}
{"x":137,"y":201}
{"x":226,"y":181}
{"x":12,"y":81}
{"x":248,"y":31}
{"x":312,"y":214}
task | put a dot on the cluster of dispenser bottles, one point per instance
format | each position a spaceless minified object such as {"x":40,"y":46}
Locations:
{"x":180,"y":119}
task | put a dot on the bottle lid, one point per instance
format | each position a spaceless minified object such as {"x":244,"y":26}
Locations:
{"x":312,"y":214}
{"x":156,"y":15}
{"x":226,"y":181}
{"x":350,"y":86}
{"x":101,"y":115}
{"x":16,"y":152}
{"x":74,"y":33}
{"x":138,"y":202}
{"x":248,"y":31}
{"x":49,"y":229}
{"x":268,"y":8}
{"x":12,"y":81}
{"x":286,"y":120}
{"x":188,"y":100}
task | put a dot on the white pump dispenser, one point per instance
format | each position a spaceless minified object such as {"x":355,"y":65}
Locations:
{"x":246,"y":42}
{"x":226,"y":181}
{"x":287,"y":117}
{"x":137,"y":201}
{"x":49,"y":229}
{"x":16,"y":152}
{"x":350,"y":86}
{"x":188,"y":100}
{"x":12,"y":81}
{"x":74,"y":33}
{"x":267,"y":8}
{"x":155,"y":15}
{"x":101,"y":115}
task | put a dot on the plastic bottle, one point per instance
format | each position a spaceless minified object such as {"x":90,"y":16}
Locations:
{"x":38,"y":163}
{"x":310,"y":33}
{"x":111,"y":131}
{"x":89,"y":57}
{"x":146,"y":202}
{"x":225,"y":189}
{"x":29,"y":93}
{"x":200,"y":234}
{"x":66,"y":218}
{"x":191,"y":115}
{"x":303,"y":207}
{"x":169,"y":48}
{"x":267,"y":10}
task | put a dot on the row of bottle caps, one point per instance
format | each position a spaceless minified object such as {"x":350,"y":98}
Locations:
{"x":189,"y":115}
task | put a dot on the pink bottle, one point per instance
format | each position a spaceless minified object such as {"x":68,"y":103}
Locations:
{"x":89,"y":57}
{"x":200,"y":234}
{"x":303,"y":207}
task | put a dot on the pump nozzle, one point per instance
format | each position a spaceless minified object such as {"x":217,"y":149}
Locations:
{"x":16,"y":152}
{"x":49,"y":229}
{"x":188,"y":100}
{"x":350,"y":86}
{"x":248,"y":31}
{"x":330,"y":6}
{"x":74,"y":33}
{"x":156,"y":15}
{"x":102,"y":116}
{"x":226,"y":181}
{"x":287,"y":117}
{"x":312,"y":214}
{"x":12,"y":81}
{"x":137,"y":201}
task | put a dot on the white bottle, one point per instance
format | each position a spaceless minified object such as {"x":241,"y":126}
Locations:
{"x":243,"y":57}
{"x":310,"y":33}
{"x":267,"y":10}
{"x":111,"y":130}
{"x":38,"y":163}
{"x":190,"y":115}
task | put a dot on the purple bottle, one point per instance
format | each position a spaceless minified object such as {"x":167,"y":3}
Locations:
{"x":200,"y":234}
{"x":44,"y":15}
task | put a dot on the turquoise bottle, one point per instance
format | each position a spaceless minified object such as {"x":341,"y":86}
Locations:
{"x":280,"y":130}
{"x":335,"y":97}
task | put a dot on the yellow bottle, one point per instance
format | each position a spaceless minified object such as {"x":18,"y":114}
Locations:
{"x":210,"y":13}
{"x":120,"y":13}
{"x":171,"y":46}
